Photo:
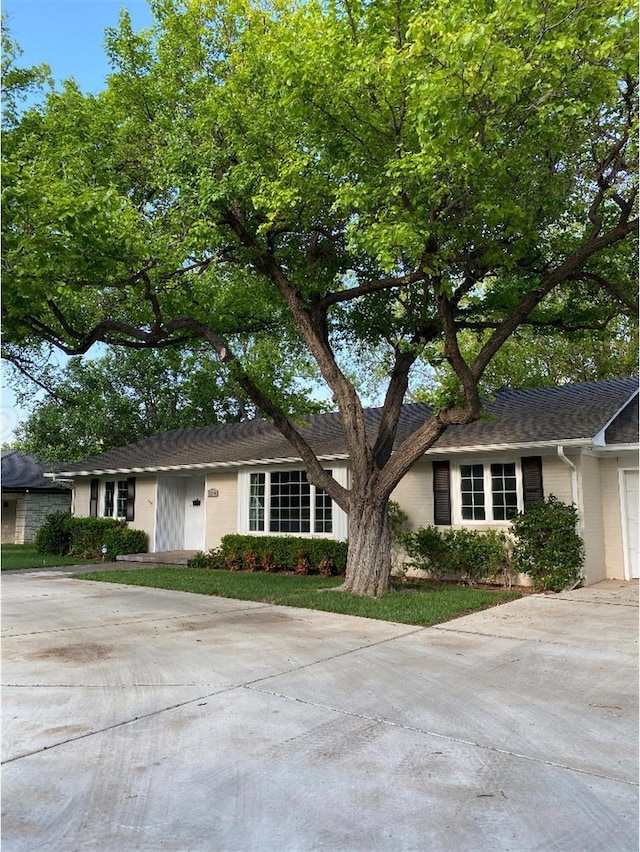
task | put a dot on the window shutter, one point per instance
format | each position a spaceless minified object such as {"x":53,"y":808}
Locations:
{"x":93,"y":500}
{"x":532,"y":481}
{"x":131,"y":497}
{"x":441,"y":493}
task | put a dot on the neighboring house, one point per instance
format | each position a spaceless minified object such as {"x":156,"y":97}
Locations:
{"x":27,"y":497}
{"x":579,"y":442}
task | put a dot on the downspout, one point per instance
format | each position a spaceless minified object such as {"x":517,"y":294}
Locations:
{"x":574,"y":500}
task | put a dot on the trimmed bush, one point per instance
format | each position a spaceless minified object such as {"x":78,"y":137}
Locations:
{"x":547,"y":547}
{"x":54,"y":536}
{"x":85,"y":537}
{"x":469,"y":556}
{"x":271,"y":553}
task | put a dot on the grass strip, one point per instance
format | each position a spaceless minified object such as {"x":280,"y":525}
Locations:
{"x":18,"y":557}
{"x":420,"y":603}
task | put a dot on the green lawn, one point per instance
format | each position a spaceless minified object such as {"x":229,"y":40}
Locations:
{"x":16,"y":556}
{"x":418,"y":603}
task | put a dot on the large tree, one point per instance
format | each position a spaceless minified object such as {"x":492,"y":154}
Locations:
{"x":356,"y":174}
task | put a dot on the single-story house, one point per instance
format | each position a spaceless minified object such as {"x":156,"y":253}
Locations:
{"x":27,"y":497}
{"x":579,"y":442}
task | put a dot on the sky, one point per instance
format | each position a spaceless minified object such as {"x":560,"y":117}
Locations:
{"x":68,"y":35}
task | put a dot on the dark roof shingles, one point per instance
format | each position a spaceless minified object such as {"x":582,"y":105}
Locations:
{"x":562,"y":413}
{"x":21,"y":472}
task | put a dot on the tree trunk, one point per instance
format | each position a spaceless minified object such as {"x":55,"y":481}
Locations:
{"x":369,"y":557}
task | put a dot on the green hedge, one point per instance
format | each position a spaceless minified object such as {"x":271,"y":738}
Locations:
{"x":276,"y":553}
{"x":85,"y":537}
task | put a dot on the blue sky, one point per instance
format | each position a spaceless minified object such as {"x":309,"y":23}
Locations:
{"x":68,"y":35}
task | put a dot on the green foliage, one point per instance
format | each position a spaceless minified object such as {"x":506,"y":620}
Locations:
{"x":127,"y":395}
{"x":468,"y":555}
{"x":548,"y":548}
{"x":269,"y":553}
{"x":398,"y":522}
{"x":90,"y":535}
{"x":398,"y":529}
{"x":85,"y":537}
{"x":457,"y":139}
{"x":17,"y":82}
{"x":54,"y":536}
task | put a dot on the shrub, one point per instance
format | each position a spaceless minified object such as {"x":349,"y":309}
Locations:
{"x":85,"y":537}
{"x":267,"y":562}
{"x":303,"y":564}
{"x":200,"y":560}
{"x":467,"y":555}
{"x":54,"y":536}
{"x":123,"y":539}
{"x":250,"y":558}
{"x":326,"y":568}
{"x":211,"y":559}
{"x":427,"y":550}
{"x":283,"y":553}
{"x":398,"y":528}
{"x":476,"y":556}
{"x":547,"y":546}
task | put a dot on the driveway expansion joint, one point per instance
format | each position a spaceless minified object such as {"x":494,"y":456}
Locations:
{"x":381,"y":720}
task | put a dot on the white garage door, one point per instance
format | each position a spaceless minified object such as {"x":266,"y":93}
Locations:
{"x":630,"y":509}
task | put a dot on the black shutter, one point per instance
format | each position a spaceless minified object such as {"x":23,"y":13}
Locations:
{"x":131,"y":497}
{"x":532,"y":481}
{"x":93,"y":500}
{"x":441,"y":493}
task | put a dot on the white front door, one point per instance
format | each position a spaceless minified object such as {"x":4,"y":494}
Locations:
{"x":630,"y":521}
{"x":194,"y":506}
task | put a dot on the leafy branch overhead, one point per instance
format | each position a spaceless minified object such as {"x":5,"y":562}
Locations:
{"x":390,"y":174}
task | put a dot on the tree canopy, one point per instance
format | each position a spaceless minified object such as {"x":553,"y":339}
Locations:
{"x":334,"y":177}
{"x":124,"y":396}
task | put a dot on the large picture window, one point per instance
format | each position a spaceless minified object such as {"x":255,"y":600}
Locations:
{"x":286,"y":502}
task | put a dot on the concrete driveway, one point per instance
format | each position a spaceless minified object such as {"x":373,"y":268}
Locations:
{"x":138,"y":719}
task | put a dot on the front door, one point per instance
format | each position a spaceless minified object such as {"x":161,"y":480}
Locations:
{"x":194,"y":505}
{"x":180,"y":513}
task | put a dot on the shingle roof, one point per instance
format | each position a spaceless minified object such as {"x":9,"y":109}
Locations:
{"x":550,"y":414}
{"x":21,"y":473}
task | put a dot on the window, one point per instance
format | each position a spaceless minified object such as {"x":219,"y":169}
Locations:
{"x":286,"y":502}
{"x":290,"y":504}
{"x":504,"y":491}
{"x":497,"y":491}
{"x":472,"y":491}
{"x":116,"y":495}
{"x":256,"y":502}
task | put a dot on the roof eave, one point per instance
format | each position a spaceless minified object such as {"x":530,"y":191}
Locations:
{"x":72,"y":474}
{"x":578,"y":443}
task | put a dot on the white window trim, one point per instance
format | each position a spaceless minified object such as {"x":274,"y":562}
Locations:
{"x":102,"y":490}
{"x":456,"y":491}
{"x":339,"y":518}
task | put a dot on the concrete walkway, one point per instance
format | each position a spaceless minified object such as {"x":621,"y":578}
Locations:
{"x":140,"y":719}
